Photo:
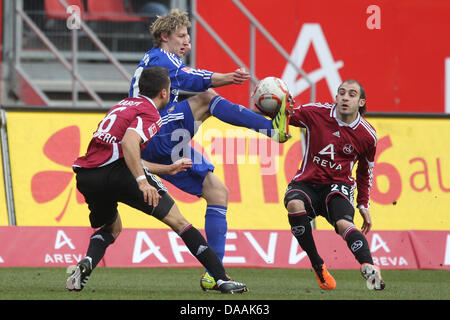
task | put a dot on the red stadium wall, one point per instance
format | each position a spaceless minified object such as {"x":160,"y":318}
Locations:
{"x":396,"y":49}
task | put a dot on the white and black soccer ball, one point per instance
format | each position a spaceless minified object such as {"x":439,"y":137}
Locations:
{"x":268,"y":95}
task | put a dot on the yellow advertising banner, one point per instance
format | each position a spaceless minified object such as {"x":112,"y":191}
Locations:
{"x":3,"y":208}
{"x":410,"y":190}
{"x":411,"y":187}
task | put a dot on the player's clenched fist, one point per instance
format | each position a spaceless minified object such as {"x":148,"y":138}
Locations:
{"x":240,"y":75}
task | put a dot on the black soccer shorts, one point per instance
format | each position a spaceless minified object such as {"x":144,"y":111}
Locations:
{"x":104,"y":187}
{"x":332,"y":201}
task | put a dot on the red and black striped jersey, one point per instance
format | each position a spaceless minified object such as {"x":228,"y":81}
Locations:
{"x":333,"y":147}
{"x":139,"y":114}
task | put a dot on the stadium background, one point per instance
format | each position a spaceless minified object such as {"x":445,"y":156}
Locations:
{"x":394,"y":48}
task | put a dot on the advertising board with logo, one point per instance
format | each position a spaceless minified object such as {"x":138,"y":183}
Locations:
{"x":64,"y":246}
{"x":410,"y":188}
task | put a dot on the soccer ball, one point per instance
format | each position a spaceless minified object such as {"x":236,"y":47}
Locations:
{"x":268,"y":95}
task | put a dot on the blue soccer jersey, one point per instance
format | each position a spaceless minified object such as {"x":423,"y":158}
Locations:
{"x":181,"y":76}
{"x":178,"y":123}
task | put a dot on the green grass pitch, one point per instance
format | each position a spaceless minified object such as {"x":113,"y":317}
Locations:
{"x":183,"y":284}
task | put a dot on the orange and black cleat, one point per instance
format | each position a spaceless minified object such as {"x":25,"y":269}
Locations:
{"x":324,"y":278}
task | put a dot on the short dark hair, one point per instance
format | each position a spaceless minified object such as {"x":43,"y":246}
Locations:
{"x":362,"y":110}
{"x":153,"y":80}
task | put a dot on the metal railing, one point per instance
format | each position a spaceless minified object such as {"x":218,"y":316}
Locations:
{"x":71,"y":67}
{"x":7,"y":170}
{"x":254,"y":25}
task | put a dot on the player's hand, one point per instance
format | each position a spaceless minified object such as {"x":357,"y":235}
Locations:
{"x":367,"y":224}
{"x":240,"y":75}
{"x":180,"y":165}
{"x":151,"y":195}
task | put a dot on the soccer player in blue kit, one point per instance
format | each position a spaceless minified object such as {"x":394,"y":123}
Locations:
{"x":171,"y":42}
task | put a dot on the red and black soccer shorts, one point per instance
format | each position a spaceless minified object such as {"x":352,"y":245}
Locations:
{"x":104,"y":187}
{"x":332,"y":201}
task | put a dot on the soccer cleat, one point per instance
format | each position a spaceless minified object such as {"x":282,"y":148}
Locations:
{"x":79,"y":275}
{"x":324,"y":278}
{"x":281,"y":121}
{"x":207,"y":282}
{"x":373,"y":276}
{"x":231,"y":287}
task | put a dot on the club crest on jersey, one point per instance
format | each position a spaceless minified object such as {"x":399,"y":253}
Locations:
{"x":171,"y":109}
{"x":348,"y":148}
{"x":152,"y":130}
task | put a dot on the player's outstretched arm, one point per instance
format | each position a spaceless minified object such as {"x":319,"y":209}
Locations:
{"x":178,"y":166}
{"x":239,"y":76}
{"x":367,"y":220}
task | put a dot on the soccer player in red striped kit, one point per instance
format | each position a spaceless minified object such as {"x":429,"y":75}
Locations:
{"x":337,"y":137}
{"x":112,"y":171}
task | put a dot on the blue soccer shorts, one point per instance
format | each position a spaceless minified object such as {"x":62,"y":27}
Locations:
{"x":172,"y":143}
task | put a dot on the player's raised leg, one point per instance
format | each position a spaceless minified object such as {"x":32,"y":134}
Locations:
{"x":209,"y":103}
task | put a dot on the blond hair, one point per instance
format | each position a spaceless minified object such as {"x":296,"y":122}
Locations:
{"x":167,"y":24}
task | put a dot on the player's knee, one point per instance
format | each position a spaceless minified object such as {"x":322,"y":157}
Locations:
{"x":115,"y":228}
{"x":342,"y":225}
{"x":214,"y":191}
{"x":223,"y":189}
{"x":219,"y":195}
{"x":116,"y":232}
{"x":200,"y":104}
{"x":295,"y":205}
{"x":203,"y":99}
{"x":209,"y":94}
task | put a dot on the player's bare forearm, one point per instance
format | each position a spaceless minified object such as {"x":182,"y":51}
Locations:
{"x":171,"y":169}
{"x":221,"y":79}
{"x":367,"y":220}
{"x":239,"y":76}
{"x":132,"y":152}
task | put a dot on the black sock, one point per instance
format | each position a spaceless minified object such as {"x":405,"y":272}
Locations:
{"x":100,"y":240}
{"x":302,"y":231}
{"x":358,"y":245}
{"x":198,"y":246}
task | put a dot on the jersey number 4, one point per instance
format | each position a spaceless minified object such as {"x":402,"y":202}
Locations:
{"x":328,"y":150}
